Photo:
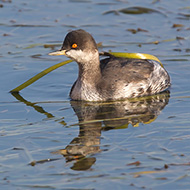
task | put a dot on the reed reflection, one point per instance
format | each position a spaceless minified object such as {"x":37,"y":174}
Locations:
{"x":97,"y":117}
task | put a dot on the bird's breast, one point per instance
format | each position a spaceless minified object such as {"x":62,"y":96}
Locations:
{"x":82,"y":91}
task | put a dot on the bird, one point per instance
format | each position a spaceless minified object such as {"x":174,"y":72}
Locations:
{"x":112,"y":78}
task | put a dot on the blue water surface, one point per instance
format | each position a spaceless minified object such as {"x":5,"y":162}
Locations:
{"x":50,"y":142}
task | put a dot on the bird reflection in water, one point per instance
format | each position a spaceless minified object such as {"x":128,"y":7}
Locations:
{"x":96,"y":117}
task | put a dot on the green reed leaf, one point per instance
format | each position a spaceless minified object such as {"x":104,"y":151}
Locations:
{"x":39,"y":75}
{"x":116,"y":54}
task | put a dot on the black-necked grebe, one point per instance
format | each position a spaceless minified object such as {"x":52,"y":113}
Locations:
{"x":112,"y":78}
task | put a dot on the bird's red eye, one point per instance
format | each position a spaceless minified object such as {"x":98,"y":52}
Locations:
{"x":74,"y":46}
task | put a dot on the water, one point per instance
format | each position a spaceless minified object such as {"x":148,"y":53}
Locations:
{"x":50,"y":142}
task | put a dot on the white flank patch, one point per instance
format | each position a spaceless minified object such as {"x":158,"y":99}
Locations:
{"x":131,"y":90}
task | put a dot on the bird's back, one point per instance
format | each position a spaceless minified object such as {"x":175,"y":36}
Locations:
{"x":128,"y":78}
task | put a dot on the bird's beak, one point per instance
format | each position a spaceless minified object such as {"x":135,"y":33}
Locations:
{"x":59,"y":52}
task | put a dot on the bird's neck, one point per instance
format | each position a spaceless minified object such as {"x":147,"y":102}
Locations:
{"x":89,"y":70}
{"x":85,"y":87}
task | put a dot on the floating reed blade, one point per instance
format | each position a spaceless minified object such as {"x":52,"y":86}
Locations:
{"x":39,"y":75}
{"x":116,"y":54}
{"x":136,"y":56}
